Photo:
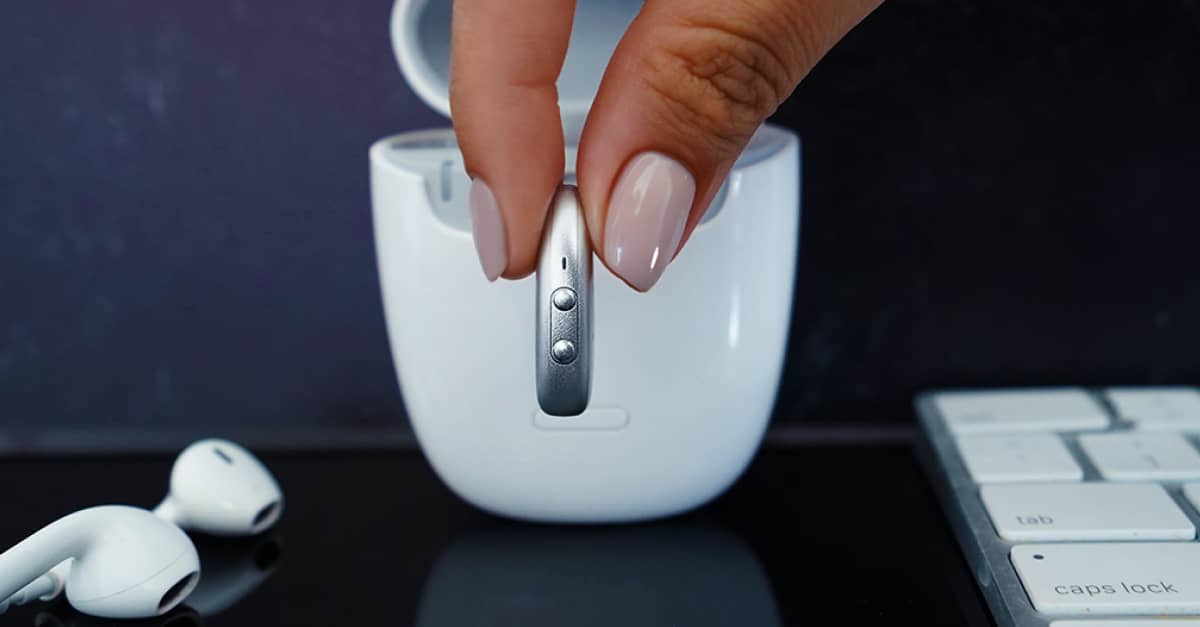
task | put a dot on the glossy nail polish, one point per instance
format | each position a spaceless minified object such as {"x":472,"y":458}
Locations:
{"x":487,"y":226}
{"x":647,"y":213}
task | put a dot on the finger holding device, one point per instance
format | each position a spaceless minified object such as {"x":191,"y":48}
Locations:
{"x":683,"y":377}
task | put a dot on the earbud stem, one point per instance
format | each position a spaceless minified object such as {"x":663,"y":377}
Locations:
{"x":34,"y":556}
{"x":169,"y":511}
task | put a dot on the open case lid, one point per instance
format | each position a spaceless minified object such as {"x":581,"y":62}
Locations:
{"x":421,"y":40}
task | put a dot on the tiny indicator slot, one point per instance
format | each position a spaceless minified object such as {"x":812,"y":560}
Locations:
{"x":564,"y":263}
{"x":445,"y":180}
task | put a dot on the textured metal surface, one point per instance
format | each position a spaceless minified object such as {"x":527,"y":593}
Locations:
{"x":564,"y":384}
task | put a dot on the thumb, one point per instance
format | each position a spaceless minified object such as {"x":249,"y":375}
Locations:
{"x":687,"y":87}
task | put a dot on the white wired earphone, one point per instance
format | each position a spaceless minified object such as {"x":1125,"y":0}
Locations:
{"x":116,"y":561}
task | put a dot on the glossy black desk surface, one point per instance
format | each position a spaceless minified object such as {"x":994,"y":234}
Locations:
{"x":810,"y":536}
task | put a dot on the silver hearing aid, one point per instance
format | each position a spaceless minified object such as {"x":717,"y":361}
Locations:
{"x":564,"y":308}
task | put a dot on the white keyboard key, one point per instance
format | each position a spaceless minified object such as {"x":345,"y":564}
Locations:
{"x":1055,"y":512}
{"x":1141,"y":456}
{"x":1133,"y":622}
{"x":1176,"y":408}
{"x":1049,"y":409}
{"x":1118,"y":579}
{"x":1000,"y":458}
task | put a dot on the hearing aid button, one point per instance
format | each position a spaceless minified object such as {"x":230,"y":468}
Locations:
{"x":564,"y":298}
{"x":563,"y":351}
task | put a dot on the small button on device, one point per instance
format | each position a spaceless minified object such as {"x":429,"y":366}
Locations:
{"x":564,"y":298}
{"x":563,"y":351}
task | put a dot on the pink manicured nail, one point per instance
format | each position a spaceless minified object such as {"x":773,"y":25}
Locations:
{"x":488,"y":228}
{"x":646,"y":216}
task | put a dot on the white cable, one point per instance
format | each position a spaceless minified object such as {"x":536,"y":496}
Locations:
{"x":44,"y":588}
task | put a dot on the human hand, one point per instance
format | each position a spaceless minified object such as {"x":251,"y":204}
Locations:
{"x":686,"y":88}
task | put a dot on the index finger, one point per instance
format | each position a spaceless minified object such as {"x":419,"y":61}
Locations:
{"x":504,"y":62}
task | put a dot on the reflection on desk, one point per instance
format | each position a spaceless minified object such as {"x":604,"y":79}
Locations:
{"x":231,"y":568}
{"x":843,"y":535}
{"x":63,"y":615}
{"x":630,"y":576}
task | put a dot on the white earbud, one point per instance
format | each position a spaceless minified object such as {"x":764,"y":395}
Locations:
{"x":220,"y":488}
{"x":216,"y":487}
{"x":112,"y":561}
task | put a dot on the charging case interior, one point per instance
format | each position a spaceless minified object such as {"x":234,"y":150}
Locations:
{"x":684,"y":376}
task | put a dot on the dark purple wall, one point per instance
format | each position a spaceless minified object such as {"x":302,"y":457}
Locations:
{"x":185,"y":229}
{"x":998,"y":193}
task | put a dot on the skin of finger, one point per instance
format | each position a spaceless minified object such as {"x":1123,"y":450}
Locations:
{"x":505,"y":59}
{"x":694,"y":79}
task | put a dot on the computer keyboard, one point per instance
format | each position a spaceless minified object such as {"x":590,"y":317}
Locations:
{"x":1075,"y":507}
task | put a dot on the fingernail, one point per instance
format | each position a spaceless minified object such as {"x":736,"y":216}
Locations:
{"x":488,"y":228}
{"x":646,"y":216}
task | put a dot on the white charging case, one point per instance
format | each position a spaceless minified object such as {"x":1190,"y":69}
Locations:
{"x":684,"y":376}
